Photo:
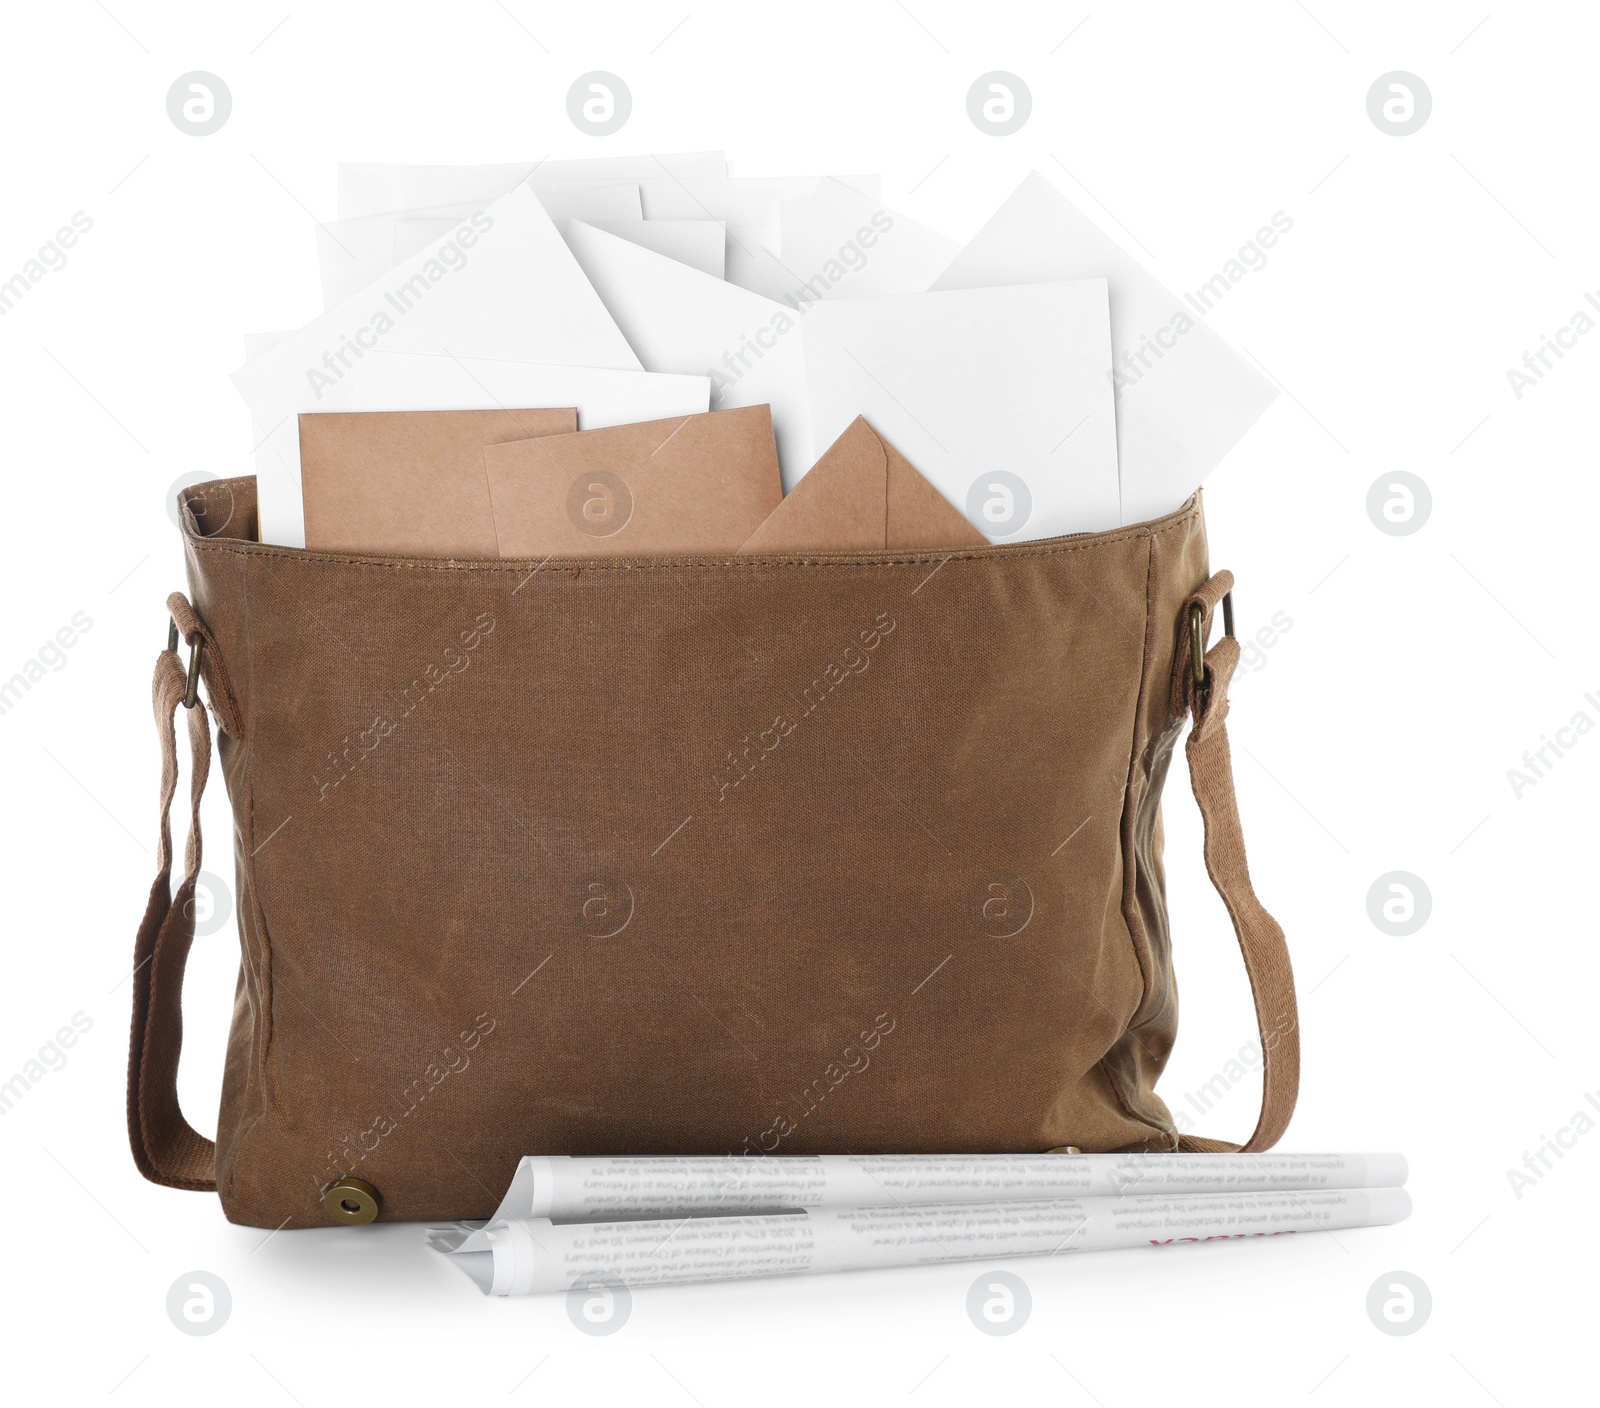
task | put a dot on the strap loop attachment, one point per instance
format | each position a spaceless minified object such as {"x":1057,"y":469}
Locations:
{"x":197,"y":647}
{"x":1197,"y":640}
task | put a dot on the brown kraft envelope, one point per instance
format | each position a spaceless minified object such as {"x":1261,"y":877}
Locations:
{"x":691,"y":484}
{"x":408,"y":482}
{"x":863,"y":493}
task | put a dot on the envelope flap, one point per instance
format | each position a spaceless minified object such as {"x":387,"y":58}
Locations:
{"x":840,"y":505}
{"x":919,"y":515}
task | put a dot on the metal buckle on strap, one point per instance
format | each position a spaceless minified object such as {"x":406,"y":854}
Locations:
{"x":1197,"y":639}
{"x":197,"y":648}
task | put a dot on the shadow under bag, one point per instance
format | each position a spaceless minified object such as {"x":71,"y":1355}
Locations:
{"x":836,"y":852}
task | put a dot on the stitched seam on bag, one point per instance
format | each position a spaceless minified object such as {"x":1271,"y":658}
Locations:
{"x":261,"y":962}
{"x":556,"y":566}
{"x":1116,"y":1090}
{"x":1130,"y":865}
{"x":261,"y":1036}
{"x":206,"y":493}
{"x":234,"y":1149}
{"x":263,"y":1051}
{"x":1131,"y":860}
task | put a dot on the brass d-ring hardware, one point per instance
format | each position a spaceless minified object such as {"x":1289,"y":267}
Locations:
{"x":1197,"y":644}
{"x":197,"y":648}
{"x":191,"y":688}
{"x":352,"y":1201}
{"x":1197,"y":636}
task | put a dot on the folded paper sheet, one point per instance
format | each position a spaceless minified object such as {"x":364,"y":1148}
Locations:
{"x":504,"y":286}
{"x":408,"y":482}
{"x":529,"y":1256}
{"x":1000,"y":396}
{"x":612,"y":1189}
{"x":1184,"y":397}
{"x":862,"y":494}
{"x":692,"y":484}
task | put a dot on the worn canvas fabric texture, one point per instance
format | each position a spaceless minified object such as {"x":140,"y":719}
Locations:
{"x":838,"y":852}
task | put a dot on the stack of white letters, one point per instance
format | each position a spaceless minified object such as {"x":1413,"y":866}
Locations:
{"x":1042,"y":379}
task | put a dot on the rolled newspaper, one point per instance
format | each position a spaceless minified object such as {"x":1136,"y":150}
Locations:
{"x":522,"y":1256}
{"x":614,"y":1189}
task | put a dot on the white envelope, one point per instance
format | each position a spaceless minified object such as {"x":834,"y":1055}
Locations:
{"x":750,"y":205}
{"x":503,"y":286}
{"x":255,"y":343}
{"x":1183,"y":396}
{"x":354,"y":253}
{"x":701,"y":244}
{"x":844,"y":244}
{"x":1001,"y":397}
{"x":792,"y":208}
{"x":603,"y":396}
{"x":612,"y":202}
{"x":697,"y":243}
{"x":679,"y":320}
{"x":789,"y":213}
{"x":367,"y":188}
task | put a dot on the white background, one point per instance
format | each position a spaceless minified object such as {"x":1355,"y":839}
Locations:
{"x":1376,"y":735}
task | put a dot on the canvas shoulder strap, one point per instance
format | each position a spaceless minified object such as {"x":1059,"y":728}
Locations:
{"x":1202,"y":693}
{"x":166,"y":1147}
{"x":169,"y":1150}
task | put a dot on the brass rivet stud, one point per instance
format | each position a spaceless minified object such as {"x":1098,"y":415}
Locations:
{"x":352,"y":1201}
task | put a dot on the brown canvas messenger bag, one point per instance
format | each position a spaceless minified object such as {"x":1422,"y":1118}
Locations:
{"x":836,"y":852}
